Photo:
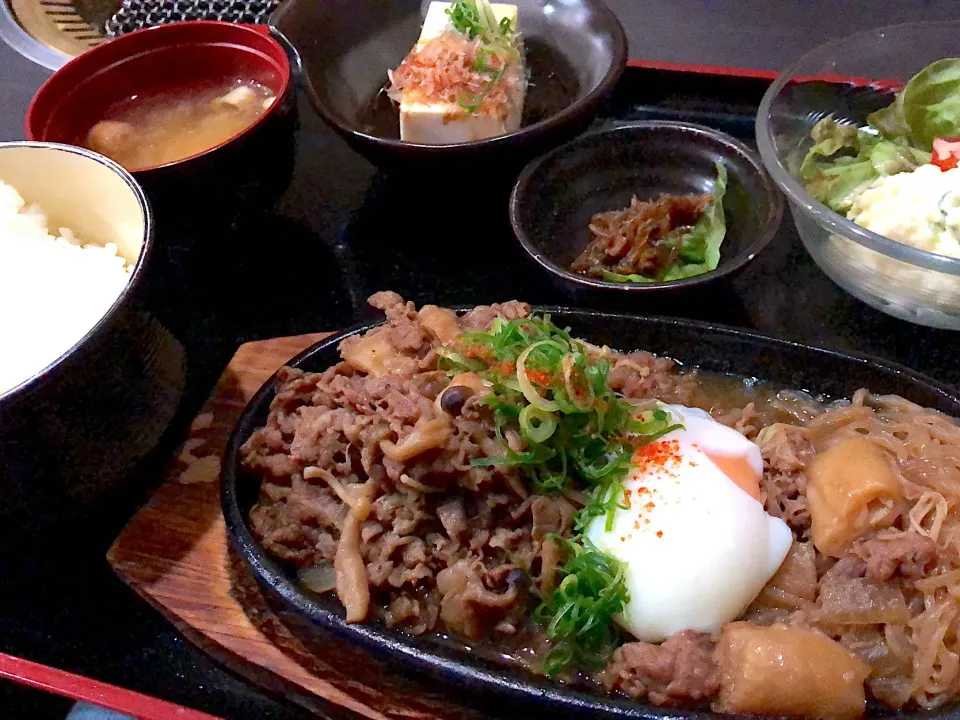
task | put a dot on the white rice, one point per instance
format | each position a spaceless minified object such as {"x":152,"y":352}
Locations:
{"x":53,"y":289}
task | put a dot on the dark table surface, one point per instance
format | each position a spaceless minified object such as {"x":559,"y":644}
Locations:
{"x":333,"y":240}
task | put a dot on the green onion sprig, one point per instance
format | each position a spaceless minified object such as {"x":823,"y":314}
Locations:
{"x":578,"y":615}
{"x":475,"y":19}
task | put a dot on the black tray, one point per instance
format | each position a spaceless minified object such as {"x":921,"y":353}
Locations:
{"x":337,"y":235}
{"x":344,"y":231}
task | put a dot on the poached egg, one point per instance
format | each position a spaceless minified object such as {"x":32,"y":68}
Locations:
{"x":694,"y":538}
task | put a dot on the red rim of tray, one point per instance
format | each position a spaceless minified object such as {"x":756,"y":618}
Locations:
{"x":756,"y":74}
{"x":104,"y":695}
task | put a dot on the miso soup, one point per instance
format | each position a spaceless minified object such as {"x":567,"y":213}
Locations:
{"x":145,"y":131}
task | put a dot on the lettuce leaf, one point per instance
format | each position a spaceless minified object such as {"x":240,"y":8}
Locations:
{"x":890,"y":121}
{"x":699,"y":245}
{"x":617,"y":277}
{"x":845,"y":159}
{"x":928,"y":107}
{"x":830,"y":138}
{"x":931,"y":102}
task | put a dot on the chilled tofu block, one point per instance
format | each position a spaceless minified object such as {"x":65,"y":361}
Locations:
{"x":443,"y":123}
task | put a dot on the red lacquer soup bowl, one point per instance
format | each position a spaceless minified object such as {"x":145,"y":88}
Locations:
{"x":253,"y":166}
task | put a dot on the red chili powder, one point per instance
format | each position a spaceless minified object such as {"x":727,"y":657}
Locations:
{"x":658,"y":454}
{"x":539,"y":377}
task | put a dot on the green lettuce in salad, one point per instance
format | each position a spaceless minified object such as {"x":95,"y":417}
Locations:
{"x":928,"y":107}
{"x":845,"y":159}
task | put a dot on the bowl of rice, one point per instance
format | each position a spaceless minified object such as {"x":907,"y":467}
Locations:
{"x":89,"y":378}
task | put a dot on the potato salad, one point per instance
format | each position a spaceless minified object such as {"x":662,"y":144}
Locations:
{"x":919,"y":208}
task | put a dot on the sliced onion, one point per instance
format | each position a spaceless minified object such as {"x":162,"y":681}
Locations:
{"x":319,"y":578}
{"x":543,"y":430}
{"x":898,"y":641}
{"x":567,"y":365}
{"x":526,"y":387}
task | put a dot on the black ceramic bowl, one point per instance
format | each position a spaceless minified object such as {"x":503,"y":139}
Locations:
{"x":77,"y":427}
{"x":498,"y":690}
{"x":556,"y":195}
{"x":576,"y":51}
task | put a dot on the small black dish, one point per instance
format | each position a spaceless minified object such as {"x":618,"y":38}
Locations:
{"x":494,"y":689}
{"x":576,"y":51}
{"x":556,"y":195}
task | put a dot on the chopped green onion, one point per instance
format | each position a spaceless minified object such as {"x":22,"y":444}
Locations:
{"x":480,"y":62}
{"x":450,"y":359}
{"x":551,"y":393}
{"x":569,"y":382}
{"x":536,"y":425}
{"x":550,"y":480}
{"x":563,"y":402}
{"x":465,"y":18}
{"x":476,"y":19}
{"x":472,"y":103}
{"x":578,"y":615}
{"x":526,"y":387}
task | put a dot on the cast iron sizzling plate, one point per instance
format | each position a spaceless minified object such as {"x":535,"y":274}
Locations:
{"x":487,"y":684}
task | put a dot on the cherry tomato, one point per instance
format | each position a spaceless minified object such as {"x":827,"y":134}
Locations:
{"x":946,"y":153}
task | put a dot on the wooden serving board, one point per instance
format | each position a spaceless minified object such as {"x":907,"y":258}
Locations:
{"x":174,"y":553}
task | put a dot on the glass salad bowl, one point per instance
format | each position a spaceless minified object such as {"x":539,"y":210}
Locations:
{"x":848,"y":79}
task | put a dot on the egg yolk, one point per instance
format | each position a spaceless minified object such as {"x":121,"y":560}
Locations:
{"x":739,"y":471}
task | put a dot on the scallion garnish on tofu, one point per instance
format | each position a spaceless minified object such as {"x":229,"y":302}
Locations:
{"x":465,"y":78}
